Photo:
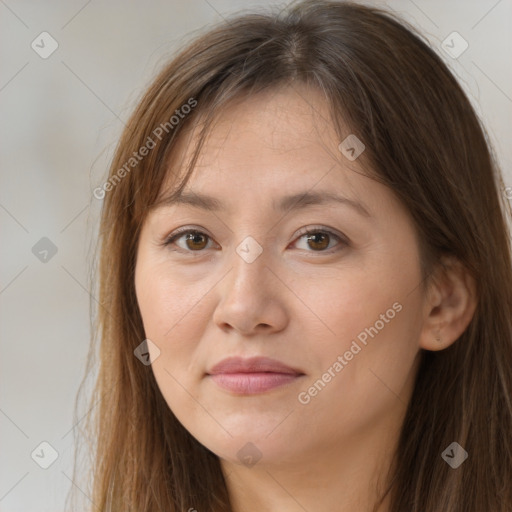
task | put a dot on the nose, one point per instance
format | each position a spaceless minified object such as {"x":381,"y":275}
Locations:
{"x":251,"y":298}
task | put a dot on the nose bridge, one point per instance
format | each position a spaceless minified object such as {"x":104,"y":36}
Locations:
{"x":248,"y":298}
{"x":249,"y":262}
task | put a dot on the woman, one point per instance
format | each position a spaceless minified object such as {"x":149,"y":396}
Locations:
{"x":305,"y":280}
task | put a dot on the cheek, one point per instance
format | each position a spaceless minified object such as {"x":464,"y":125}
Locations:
{"x":367,"y":296}
{"x":166,"y":302}
{"x":174,"y":314}
{"x":170,"y":315}
{"x":369,"y":317}
{"x":177,"y":327}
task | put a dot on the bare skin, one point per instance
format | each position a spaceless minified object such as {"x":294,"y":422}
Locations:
{"x":301,"y":301}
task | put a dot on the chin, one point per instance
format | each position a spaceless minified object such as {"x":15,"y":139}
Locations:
{"x":250,"y":446}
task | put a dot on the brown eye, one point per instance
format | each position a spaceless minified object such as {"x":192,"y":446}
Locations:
{"x":318,"y":241}
{"x":195,"y":241}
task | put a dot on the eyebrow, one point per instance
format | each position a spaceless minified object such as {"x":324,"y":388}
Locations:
{"x":286,"y":203}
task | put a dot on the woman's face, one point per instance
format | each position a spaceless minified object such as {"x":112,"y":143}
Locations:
{"x":339,"y":311}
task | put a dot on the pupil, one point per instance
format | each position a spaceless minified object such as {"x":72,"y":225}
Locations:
{"x":322,"y":236}
{"x":193,"y":237}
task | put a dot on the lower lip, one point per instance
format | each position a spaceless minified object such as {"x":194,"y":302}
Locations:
{"x":252,"y":383}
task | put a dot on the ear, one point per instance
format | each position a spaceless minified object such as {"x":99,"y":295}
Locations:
{"x":450,"y":303}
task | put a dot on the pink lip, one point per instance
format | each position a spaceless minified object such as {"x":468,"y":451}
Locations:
{"x":253,"y":375}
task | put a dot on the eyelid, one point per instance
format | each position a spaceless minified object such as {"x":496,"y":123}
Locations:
{"x":168,"y":240}
{"x":343,"y":241}
{"x":322,"y":229}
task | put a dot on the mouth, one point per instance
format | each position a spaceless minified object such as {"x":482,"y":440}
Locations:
{"x":252,"y":376}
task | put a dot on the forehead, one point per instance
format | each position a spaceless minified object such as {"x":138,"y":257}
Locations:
{"x":270,"y":141}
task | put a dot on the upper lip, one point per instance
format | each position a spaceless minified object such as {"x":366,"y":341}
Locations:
{"x":252,"y":365}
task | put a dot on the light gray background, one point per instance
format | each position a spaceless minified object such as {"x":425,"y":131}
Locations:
{"x":61,"y":117}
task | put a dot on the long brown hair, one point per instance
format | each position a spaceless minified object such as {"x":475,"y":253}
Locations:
{"x":423,"y":140}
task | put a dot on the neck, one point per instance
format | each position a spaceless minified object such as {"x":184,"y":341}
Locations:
{"x":343,"y":475}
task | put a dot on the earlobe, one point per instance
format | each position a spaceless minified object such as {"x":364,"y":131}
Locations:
{"x":449,"y":305}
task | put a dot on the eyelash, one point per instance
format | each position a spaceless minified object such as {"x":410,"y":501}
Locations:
{"x":315,"y":230}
